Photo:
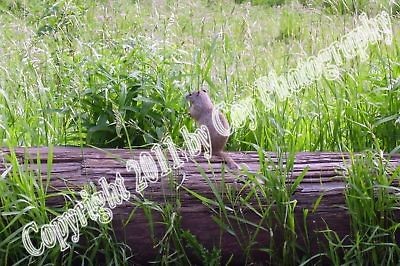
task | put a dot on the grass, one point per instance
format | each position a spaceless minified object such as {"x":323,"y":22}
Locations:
{"x":114,"y":74}
{"x":371,"y":198}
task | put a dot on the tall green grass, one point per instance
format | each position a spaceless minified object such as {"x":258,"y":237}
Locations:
{"x":23,"y":200}
{"x":371,"y":199}
{"x":114,"y":74}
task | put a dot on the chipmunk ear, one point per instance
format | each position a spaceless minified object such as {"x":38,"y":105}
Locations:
{"x":198,"y":92}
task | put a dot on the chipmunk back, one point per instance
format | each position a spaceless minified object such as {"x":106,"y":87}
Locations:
{"x":201,"y":110}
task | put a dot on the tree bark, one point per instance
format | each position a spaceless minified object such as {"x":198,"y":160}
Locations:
{"x":75,"y":167}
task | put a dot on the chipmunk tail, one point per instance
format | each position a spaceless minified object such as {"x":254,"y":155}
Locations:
{"x":229,"y":161}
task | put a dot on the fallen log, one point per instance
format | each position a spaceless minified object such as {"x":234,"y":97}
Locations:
{"x":75,"y":167}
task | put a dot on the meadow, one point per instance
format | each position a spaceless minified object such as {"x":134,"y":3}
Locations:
{"x":115,"y":74}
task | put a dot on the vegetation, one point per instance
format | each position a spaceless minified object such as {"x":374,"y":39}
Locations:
{"x":114,"y":74}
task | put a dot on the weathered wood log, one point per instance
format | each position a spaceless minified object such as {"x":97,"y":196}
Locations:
{"x":76,"y":167}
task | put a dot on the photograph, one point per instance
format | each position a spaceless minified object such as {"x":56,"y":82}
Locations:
{"x":199,"y":132}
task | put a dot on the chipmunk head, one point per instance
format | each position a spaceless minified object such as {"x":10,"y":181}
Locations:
{"x":200,"y":103}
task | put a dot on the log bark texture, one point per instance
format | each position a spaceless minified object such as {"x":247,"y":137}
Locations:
{"x":75,"y":167}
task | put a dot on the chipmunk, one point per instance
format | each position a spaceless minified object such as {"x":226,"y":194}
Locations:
{"x":201,"y":110}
